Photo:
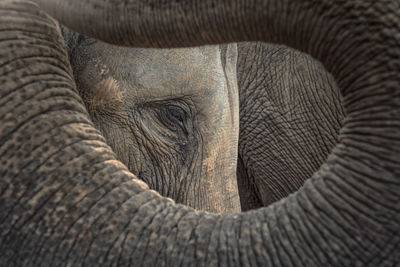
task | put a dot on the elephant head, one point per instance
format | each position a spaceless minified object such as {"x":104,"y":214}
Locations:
{"x":66,"y":200}
{"x":171,"y":116}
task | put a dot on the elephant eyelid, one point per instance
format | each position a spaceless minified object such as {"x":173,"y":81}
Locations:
{"x":170,"y":103}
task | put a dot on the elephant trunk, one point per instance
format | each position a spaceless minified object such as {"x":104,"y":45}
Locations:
{"x":79,"y":204}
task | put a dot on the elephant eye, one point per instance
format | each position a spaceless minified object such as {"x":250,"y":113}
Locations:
{"x":176,"y":115}
{"x":173,"y":114}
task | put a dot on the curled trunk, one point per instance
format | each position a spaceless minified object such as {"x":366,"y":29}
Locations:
{"x":66,"y":200}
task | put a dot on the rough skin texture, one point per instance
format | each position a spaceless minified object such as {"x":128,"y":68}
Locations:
{"x":65,"y":199}
{"x":290,"y":115}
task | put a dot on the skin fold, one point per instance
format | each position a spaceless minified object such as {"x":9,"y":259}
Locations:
{"x":171,"y":116}
{"x":66,"y":200}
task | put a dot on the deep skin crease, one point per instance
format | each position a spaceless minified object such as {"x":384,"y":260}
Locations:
{"x":66,"y":200}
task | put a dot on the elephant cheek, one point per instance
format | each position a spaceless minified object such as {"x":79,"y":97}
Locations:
{"x":220,"y":158}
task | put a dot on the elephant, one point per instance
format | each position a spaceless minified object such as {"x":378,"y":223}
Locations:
{"x":67,"y":200}
{"x":260,"y":184}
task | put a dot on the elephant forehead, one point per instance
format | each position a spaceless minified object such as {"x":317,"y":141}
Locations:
{"x":172,"y":73}
{"x":159,"y":73}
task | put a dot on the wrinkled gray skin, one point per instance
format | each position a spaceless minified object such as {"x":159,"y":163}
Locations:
{"x":290,"y":114}
{"x":66,"y":200}
{"x":170,"y":115}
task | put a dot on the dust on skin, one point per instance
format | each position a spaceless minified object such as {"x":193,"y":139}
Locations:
{"x":107,"y":90}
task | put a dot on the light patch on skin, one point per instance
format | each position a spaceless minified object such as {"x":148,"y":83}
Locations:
{"x":98,"y":87}
{"x":210,"y":161}
{"x":107,"y":93}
